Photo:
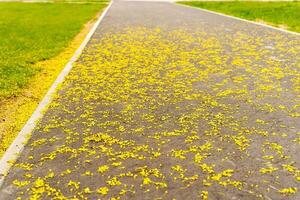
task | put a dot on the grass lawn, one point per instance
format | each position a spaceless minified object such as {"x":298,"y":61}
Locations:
{"x":280,"y":14}
{"x":31,"y":32}
{"x":37,"y":40}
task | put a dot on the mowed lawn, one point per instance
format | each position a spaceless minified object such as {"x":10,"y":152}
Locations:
{"x":32,"y":32}
{"x":280,"y":14}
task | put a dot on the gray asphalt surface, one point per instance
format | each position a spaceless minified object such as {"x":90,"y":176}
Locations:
{"x":170,"y":102}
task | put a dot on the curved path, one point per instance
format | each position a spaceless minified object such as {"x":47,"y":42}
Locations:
{"x":170,"y":102}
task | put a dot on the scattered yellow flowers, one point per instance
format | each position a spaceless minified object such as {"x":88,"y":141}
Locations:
{"x":103,"y":168}
{"x":102,"y":190}
{"x":288,"y":191}
{"x":148,"y":111}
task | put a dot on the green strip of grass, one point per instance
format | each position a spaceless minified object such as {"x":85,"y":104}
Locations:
{"x":32,"y":32}
{"x":275,"y":13}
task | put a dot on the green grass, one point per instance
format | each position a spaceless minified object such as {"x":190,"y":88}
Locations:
{"x":275,"y":13}
{"x":32,"y":32}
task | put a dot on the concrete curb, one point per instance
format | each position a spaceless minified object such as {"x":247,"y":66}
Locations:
{"x":15,"y":149}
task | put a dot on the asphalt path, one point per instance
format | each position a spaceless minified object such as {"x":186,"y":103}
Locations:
{"x":170,"y":102}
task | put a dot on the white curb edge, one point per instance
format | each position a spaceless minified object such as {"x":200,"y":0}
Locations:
{"x":237,"y":18}
{"x":14,"y":150}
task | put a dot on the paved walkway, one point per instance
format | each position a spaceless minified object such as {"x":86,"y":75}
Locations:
{"x":170,"y":102}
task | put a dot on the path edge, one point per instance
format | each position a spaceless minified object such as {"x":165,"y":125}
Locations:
{"x":237,"y":18}
{"x":15,"y":149}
